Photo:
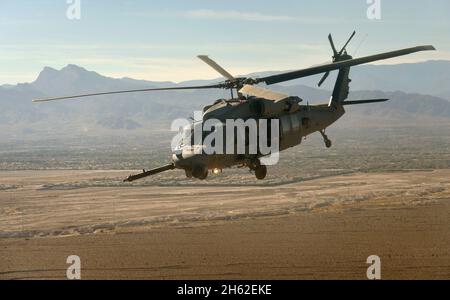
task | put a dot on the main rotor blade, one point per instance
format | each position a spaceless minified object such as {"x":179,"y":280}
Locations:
{"x":338,"y":65}
{"x":263,"y":93}
{"x":216,"y":67}
{"x":216,"y":86}
{"x":346,"y":44}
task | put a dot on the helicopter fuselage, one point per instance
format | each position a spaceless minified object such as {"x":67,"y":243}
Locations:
{"x":295,"y":122}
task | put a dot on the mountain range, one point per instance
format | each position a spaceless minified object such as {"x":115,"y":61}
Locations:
{"x":419,"y":91}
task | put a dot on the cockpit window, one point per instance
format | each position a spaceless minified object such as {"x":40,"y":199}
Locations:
{"x":187,"y":136}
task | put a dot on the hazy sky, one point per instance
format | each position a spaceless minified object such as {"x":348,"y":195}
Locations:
{"x":158,"y":40}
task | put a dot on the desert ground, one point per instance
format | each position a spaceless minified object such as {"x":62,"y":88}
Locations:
{"x":322,"y":228}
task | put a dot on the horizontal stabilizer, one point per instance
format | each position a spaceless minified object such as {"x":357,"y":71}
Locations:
{"x":355,"y":102}
{"x":149,"y":173}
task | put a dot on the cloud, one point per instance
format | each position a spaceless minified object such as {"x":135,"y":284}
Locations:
{"x":234,"y":15}
{"x":208,"y":14}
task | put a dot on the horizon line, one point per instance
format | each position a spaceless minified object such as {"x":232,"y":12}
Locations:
{"x":198,"y":79}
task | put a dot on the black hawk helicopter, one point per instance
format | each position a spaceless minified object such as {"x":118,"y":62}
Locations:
{"x":254,"y":102}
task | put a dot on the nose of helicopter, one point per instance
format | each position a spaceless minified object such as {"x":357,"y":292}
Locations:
{"x":177,"y":158}
{"x":187,"y":158}
{"x":182,"y":159}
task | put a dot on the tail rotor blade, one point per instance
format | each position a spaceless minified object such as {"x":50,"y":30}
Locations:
{"x":346,"y":44}
{"x":325,"y":76}
{"x":330,"y":38}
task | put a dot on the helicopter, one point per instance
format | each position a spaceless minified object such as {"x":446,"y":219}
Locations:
{"x":250,"y":101}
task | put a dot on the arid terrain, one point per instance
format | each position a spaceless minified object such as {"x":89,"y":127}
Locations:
{"x":321,"y":228}
{"x":319,"y":214}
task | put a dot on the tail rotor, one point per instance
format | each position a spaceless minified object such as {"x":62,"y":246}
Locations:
{"x":337,"y":56}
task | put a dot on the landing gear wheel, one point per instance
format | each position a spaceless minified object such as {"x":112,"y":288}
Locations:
{"x":200,"y":172}
{"x":261,"y":172}
{"x":327,"y":141}
{"x":203,"y":176}
{"x":188,"y":174}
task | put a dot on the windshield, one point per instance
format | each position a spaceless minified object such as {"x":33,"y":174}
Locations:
{"x":186,"y":136}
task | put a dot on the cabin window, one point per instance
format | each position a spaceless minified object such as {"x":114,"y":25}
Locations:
{"x":187,"y":138}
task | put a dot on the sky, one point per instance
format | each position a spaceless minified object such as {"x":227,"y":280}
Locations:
{"x":159,"y":40}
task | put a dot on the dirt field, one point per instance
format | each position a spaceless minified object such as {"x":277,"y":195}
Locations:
{"x":319,"y":229}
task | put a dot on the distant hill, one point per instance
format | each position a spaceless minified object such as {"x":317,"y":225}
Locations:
{"x":140,"y":111}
